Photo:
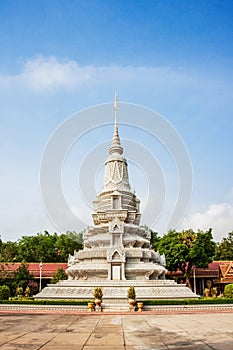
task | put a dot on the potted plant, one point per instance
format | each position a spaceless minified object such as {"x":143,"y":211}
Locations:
{"x":131,"y":297}
{"x":98,"y":295}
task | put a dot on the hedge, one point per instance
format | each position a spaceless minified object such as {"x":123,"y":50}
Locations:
{"x":46,"y":302}
{"x":146,"y":302}
{"x":189,"y":301}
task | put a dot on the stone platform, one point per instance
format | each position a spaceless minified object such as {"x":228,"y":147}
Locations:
{"x":116,"y":291}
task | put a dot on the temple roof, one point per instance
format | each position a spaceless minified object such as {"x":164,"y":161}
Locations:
{"x":48,"y":269}
{"x":226,"y":272}
{"x":223,"y":269}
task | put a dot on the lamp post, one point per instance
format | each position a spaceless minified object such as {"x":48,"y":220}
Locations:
{"x":40,"y":266}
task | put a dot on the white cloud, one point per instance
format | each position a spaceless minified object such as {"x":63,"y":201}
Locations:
{"x":217,"y":216}
{"x":49,"y":73}
{"x":46,"y":73}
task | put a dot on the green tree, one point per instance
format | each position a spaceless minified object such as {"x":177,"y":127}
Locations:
{"x":59,"y":275}
{"x":66,"y":244}
{"x":224,"y":249}
{"x":48,"y":247}
{"x":21,"y":277}
{"x":77,"y":237}
{"x":38,"y":248}
{"x":186,"y":249}
{"x":8,"y":251}
{"x":154,"y":240}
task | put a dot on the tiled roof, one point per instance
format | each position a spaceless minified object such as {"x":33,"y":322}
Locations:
{"x":214,"y":270}
{"x":226,"y":272}
{"x":48,"y":269}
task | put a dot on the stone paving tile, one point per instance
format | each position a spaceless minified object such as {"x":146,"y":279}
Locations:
{"x":102,"y":338}
{"x":26,"y":323}
{"x":110,"y":320}
{"x":145,"y":347}
{"x":222,"y":346}
{"x":188,"y":345}
{"x":96,"y":347}
{"x":7,"y":336}
{"x":76,"y":329}
{"x":19,"y":347}
{"x":87,"y":324}
{"x":32,"y":338}
{"x":142,"y":339}
{"x":146,"y":343}
{"x":108,"y":329}
{"x":69,"y":339}
{"x":57,"y":347}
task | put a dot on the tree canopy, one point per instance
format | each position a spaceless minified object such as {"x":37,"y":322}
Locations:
{"x":186,"y":249}
{"x":224,"y":249}
{"x":44,"y":247}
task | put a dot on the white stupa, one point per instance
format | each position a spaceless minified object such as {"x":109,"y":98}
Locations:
{"x":117,"y":250}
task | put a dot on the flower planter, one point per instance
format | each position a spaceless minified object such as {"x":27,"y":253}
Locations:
{"x":98,"y":302}
{"x":98,"y":305}
{"x":90,"y":307}
{"x":131,"y":304}
{"x":140,"y":306}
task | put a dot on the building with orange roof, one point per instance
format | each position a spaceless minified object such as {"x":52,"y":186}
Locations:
{"x":219,"y":273}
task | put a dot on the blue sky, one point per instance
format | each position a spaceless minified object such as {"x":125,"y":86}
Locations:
{"x":60,"y":57}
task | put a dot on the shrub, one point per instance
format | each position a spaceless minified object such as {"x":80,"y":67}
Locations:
{"x":4,"y":292}
{"x":34,"y":288}
{"x":59,"y":276}
{"x":131,"y":293}
{"x":228,"y":291}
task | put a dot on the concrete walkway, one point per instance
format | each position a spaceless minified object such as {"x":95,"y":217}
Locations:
{"x":117,"y":332}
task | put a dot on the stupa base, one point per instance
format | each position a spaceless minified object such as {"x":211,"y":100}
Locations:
{"x":116,"y":291}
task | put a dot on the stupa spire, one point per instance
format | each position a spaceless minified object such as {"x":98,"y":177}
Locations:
{"x":115,"y":105}
{"x":116,"y":144}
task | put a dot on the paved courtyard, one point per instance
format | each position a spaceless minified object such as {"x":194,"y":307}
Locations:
{"x":117,"y":332}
